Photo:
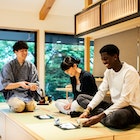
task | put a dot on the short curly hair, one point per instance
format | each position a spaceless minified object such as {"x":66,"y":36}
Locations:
{"x":110,"y":49}
{"x":20,"y":45}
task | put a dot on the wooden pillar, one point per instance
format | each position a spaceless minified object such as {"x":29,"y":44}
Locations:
{"x":87,"y":54}
{"x":87,"y":3}
{"x":41,"y":57}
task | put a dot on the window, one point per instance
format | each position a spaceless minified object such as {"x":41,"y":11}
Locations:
{"x":7,"y":40}
{"x":56,"y":48}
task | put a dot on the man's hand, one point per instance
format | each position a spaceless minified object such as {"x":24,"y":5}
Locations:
{"x":85,"y":113}
{"x":33,"y":86}
{"x":94,"y":119}
{"x":23,"y":84}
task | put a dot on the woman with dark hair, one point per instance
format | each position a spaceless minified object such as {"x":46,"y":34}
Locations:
{"x":82,"y":82}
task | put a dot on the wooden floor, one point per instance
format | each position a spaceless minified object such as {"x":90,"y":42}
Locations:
{"x":21,"y":126}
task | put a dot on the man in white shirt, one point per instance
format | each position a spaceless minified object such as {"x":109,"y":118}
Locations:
{"x":122,"y":80}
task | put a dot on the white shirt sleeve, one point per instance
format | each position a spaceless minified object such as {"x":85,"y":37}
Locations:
{"x":99,"y":96}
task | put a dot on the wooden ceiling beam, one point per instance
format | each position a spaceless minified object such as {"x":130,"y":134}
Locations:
{"x":45,"y":9}
{"x":87,"y":3}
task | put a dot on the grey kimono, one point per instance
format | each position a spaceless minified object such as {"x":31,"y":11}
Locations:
{"x":12,"y":72}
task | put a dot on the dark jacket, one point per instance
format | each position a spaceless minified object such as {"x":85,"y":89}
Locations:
{"x":88,"y":85}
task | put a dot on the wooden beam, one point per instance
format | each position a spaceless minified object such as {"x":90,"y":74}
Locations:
{"x":87,"y":54}
{"x":87,"y":3}
{"x":45,"y":9}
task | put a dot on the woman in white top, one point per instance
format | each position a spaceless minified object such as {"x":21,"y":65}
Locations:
{"x":83,"y":83}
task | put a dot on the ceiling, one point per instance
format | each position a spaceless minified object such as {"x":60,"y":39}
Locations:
{"x":62,"y":10}
{"x":60,"y":7}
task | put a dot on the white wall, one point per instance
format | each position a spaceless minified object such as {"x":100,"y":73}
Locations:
{"x":126,"y":42}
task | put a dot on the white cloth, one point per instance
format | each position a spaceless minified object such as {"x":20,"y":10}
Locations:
{"x":124,"y":87}
{"x":78,"y":87}
{"x":60,"y":103}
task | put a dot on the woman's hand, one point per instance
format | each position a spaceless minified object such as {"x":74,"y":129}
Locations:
{"x":68,"y":106}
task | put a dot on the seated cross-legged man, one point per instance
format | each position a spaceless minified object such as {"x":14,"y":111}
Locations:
{"x":123,"y":82}
{"x":19,"y":81}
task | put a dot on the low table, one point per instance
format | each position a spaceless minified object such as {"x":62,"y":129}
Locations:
{"x":24,"y":126}
{"x":67,"y":90}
